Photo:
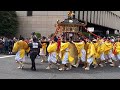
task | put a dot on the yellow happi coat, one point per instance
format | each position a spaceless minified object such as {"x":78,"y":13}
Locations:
{"x":79,"y":46}
{"x":21,"y":46}
{"x":52,"y":47}
{"x":117,"y":47}
{"x":97,"y":49}
{"x":63,"y":48}
{"x":108,"y":47}
{"x":91,"y":50}
{"x":43,"y":49}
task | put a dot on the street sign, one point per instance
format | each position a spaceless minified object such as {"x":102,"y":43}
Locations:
{"x":90,"y":29}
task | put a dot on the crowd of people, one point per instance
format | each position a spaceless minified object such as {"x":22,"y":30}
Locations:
{"x":6,"y":45}
{"x":90,"y":52}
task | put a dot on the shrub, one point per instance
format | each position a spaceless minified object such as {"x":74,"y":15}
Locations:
{"x":8,"y":23}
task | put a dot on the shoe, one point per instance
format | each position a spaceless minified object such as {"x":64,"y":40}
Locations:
{"x":112,"y":65}
{"x":87,"y":68}
{"x":67,"y":68}
{"x":76,"y":65}
{"x":95,"y":66}
{"x":22,"y":66}
{"x":42,"y":61}
{"x":48,"y":67}
{"x":106,"y":62}
{"x":119,"y":66}
{"x":19,"y":67}
{"x":83,"y":67}
{"x":34,"y":69}
{"x":110,"y":60}
{"x":101,"y":65}
{"x":31,"y":68}
{"x":61,"y":69}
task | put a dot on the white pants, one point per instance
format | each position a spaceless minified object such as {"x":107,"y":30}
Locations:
{"x":52,"y":57}
{"x":109,"y":55}
{"x":65,"y":59}
{"x":18,"y":58}
{"x":115,"y":57}
{"x":102,"y":57}
{"x":83,"y":57}
{"x":90,"y":60}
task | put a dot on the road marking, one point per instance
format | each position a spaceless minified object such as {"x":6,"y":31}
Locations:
{"x":7,"y":56}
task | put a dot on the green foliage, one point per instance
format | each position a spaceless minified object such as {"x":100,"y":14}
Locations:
{"x":8,"y":23}
{"x":38,"y":35}
{"x":86,"y":34}
{"x":51,"y":34}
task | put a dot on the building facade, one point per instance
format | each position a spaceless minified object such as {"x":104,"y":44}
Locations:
{"x":44,"y":21}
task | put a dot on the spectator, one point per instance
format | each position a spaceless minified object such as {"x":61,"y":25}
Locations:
{"x":6,"y":45}
{"x":1,"y":46}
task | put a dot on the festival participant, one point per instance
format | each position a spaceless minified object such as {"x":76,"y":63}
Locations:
{"x":97,"y":56}
{"x":52,"y":50}
{"x":34,"y":47}
{"x":20,"y":47}
{"x":43,"y":49}
{"x":116,"y":52}
{"x":101,"y":53}
{"x":66,"y":58}
{"x":81,"y":52}
{"x":90,"y":54}
{"x":108,"y":50}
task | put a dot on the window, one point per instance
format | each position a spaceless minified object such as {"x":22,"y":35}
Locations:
{"x":29,"y":13}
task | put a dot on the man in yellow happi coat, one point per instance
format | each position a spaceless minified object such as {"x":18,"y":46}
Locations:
{"x":67,"y":59}
{"x":52,"y":50}
{"x":97,"y":49}
{"x":43,"y":49}
{"x":116,"y":52}
{"x":90,"y":54}
{"x":20,"y":47}
{"x":81,"y":52}
{"x":108,"y":50}
{"x":101,"y":52}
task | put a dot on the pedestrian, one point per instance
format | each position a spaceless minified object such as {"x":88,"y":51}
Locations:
{"x":34,"y":47}
{"x":6,"y":46}
{"x":1,"y":46}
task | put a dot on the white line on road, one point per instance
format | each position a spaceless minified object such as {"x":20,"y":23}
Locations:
{"x":7,"y":56}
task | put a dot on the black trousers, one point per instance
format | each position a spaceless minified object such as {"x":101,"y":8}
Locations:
{"x":33,"y":56}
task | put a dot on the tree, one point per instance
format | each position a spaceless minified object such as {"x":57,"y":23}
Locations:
{"x":8,"y":23}
{"x":38,"y":35}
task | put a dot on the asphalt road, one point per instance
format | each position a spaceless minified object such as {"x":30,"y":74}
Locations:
{"x":9,"y":70}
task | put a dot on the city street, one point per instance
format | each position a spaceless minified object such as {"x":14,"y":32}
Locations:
{"x":9,"y":70}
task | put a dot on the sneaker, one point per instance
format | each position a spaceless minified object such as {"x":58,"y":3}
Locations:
{"x":19,"y":67}
{"x":67,"y":68}
{"x":95,"y":66}
{"x":61,"y":69}
{"x":119,"y":66}
{"x":106,"y":62}
{"x":83,"y":67}
{"x":22,"y":66}
{"x":87,"y":68}
{"x":101,"y":65}
{"x":112,"y":65}
{"x":42,"y":61}
{"x":110,"y":60}
{"x":48,"y":67}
